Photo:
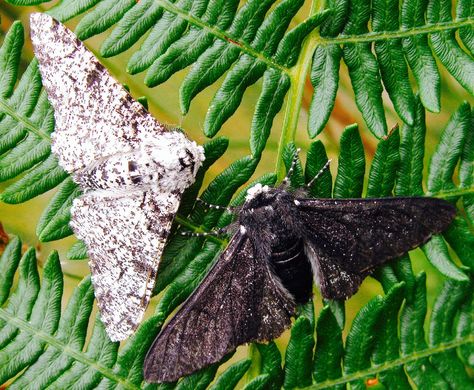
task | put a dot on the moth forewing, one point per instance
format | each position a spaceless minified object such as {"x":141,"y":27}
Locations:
{"x":131,"y":168}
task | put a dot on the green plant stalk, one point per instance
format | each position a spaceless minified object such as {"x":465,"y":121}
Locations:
{"x":374,"y":370}
{"x":221,"y":34}
{"x":293,"y":103}
{"x":108,"y":372}
{"x":75,"y":354}
{"x":30,"y":126}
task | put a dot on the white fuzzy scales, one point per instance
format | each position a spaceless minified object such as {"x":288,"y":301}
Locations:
{"x":131,"y":168}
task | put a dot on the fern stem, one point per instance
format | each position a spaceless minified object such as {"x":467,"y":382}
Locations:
{"x":30,"y":126}
{"x":389,"y":35}
{"x":374,"y":370}
{"x":293,"y":104}
{"x":64,"y":348}
{"x":221,"y":34}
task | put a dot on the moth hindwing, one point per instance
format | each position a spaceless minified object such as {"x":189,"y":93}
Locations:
{"x":131,"y":169}
{"x":268,"y":267}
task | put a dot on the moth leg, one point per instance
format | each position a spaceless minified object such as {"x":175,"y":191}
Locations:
{"x":286,"y":180}
{"x":230,"y":209}
{"x":217,"y":232}
{"x":316,"y":177}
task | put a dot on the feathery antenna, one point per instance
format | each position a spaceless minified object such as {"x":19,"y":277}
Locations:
{"x":321,"y":171}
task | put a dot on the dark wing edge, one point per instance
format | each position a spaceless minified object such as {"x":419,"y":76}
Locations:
{"x":347,"y":238}
{"x":239,"y":301}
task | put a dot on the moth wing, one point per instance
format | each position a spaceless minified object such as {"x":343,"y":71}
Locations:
{"x":125,"y":235}
{"x":347,"y":238}
{"x":239,"y":301}
{"x":95,"y":116}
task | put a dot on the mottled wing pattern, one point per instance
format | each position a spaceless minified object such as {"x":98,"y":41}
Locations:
{"x":131,"y":170}
{"x":346,"y":239}
{"x":239,"y":301}
{"x":125,"y":235}
{"x":92,"y":111}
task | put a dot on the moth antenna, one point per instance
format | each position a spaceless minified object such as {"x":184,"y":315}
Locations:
{"x":217,"y":232}
{"x":230,"y":209}
{"x":321,"y":171}
{"x":292,"y":168}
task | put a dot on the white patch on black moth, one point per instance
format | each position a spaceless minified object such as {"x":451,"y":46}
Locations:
{"x":131,"y":168}
{"x":284,"y":243}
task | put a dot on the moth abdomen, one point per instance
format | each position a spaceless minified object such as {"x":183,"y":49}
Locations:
{"x":294,"y":271}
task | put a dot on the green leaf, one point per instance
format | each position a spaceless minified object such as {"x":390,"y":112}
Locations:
{"x":329,"y":347}
{"x":325,"y":81}
{"x":26,"y":349}
{"x":248,"y":70}
{"x":43,"y":177}
{"x":459,"y":236}
{"x":189,"y":47}
{"x":412,"y":152}
{"x":365,"y":78}
{"x":445,"y":158}
{"x":220,"y":56}
{"x":107,"y":13}
{"x":163,"y":33}
{"x":387,"y":343}
{"x":360,"y":340}
{"x":140,"y":18}
{"x":65,"y":10}
{"x":464,"y":328}
{"x":363,"y":70}
{"x":54,"y":222}
{"x":199,"y":380}
{"x":275,"y":86}
{"x":258,"y":383}
{"x":351,"y":169}
{"x":338,"y":18}
{"x":231,"y":376}
{"x":419,"y":56}
{"x":466,"y":170}
{"x":71,"y":332}
{"x":393,"y":68}
{"x":412,"y":337}
{"x":464,"y":10}
{"x":9,"y":262}
{"x":24,"y":296}
{"x":271,"y":364}
{"x":290,"y":46}
{"x":384,"y":166}
{"x":299,"y":352}
{"x":10,"y":54}
{"x":444,"y":44}
{"x":78,"y":251}
{"x":436,"y":252}
{"x":445,"y":307}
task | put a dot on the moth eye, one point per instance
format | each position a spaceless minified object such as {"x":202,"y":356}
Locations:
{"x":132,"y":166}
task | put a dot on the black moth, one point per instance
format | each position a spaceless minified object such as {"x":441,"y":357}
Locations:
{"x":283,"y":243}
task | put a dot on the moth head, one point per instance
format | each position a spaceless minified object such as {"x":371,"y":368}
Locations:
{"x":260,"y":196}
{"x":179,"y":158}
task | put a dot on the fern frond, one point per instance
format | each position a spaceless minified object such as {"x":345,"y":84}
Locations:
{"x":248,"y":43}
{"x":40,"y":346}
